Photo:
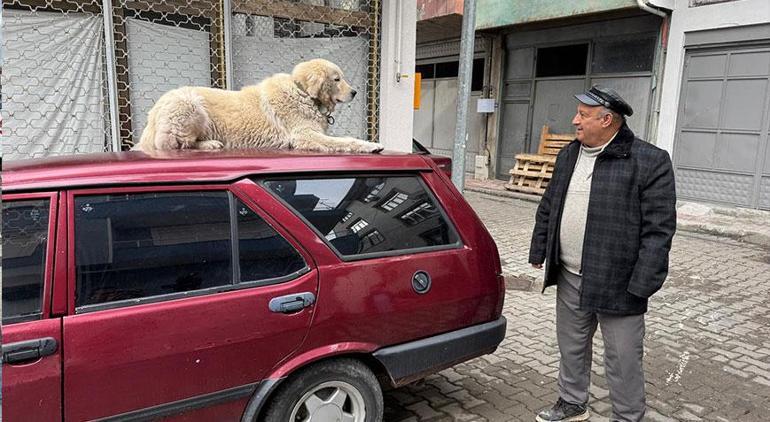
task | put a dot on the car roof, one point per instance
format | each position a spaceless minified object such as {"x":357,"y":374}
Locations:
{"x":188,"y":166}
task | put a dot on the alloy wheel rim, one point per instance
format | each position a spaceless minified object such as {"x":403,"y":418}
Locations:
{"x":333,"y":401}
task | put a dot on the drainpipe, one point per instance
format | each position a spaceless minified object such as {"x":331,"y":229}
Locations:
{"x":647,"y":8}
{"x":400,"y":30}
{"x":660,"y":59}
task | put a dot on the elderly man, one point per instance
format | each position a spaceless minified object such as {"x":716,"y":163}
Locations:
{"x":604,"y":229}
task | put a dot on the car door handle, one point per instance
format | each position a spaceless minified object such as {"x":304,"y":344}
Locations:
{"x":29,"y":350}
{"x":291,"y":303}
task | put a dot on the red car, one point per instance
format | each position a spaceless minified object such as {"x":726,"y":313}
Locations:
{"x":239,"y":285}
{"x":443,"y":163}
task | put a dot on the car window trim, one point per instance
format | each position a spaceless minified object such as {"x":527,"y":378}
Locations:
{"x":15,"y":319}
{"x":50,"y":247}
{"x":235,"y":241}
{"x":235,"y":284}
{"x":373,"y":255}
{"x":191,"y":293}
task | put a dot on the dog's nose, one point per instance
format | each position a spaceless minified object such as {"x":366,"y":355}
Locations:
{"x":353,"y":94}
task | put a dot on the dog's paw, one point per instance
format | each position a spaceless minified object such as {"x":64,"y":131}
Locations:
{"x":366,"y":146}
{"x":210,"y":145}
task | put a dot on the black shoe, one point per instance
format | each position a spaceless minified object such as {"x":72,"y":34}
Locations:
{"x":563,"y":412}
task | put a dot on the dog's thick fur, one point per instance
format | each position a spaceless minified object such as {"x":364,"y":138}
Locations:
{"x":282,"y":112}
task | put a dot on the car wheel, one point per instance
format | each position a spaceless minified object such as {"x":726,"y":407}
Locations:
{"x":343,"y":390}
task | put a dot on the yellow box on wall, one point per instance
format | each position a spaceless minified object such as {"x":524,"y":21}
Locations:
{"x":417,"y":83}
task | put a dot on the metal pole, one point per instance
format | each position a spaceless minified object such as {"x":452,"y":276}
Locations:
{"x":227,"y":41}
{"x":464,"y":93}
{"x":112,"y":83}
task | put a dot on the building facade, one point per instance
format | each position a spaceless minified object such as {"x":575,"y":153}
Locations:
{"x":695,"y":72}
{"x":715,"y":111}
{"x":437,"y":61}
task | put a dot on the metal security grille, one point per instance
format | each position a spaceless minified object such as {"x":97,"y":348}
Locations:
{"x":81,"y":75}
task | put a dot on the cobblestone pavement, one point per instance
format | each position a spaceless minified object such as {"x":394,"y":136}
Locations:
{"x":707,"y":343}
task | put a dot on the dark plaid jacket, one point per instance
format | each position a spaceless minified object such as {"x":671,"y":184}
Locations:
{"x":631,"y":221}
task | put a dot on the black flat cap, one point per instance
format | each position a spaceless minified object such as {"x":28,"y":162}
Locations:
{"x":607,"y":97}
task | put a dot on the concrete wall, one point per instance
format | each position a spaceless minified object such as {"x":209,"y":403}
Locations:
{"x":399,"y":20}
{"x":686,"y":19}
{"x":496,"y":13}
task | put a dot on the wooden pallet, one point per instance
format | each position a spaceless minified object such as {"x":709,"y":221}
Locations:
{"x":552,"y":143}
{"x":532,"y":172}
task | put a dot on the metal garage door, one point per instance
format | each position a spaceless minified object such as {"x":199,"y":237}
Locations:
{"x":722,"y":152}
{"x":545,"y":67}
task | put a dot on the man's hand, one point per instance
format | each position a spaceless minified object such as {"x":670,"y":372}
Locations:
{"x":538,"y":266}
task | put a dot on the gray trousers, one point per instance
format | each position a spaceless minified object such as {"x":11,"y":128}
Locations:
{"x":623,"y":351}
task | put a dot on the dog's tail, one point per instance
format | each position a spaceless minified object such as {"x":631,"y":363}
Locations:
{"x":147,"y":141}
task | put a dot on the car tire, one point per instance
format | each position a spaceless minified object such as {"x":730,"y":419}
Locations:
{"x":327,"y":391}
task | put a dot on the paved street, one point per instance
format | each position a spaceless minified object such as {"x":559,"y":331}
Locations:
{"x":707,"y":339}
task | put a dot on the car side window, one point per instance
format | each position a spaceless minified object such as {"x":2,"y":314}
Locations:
{"x":24,"y":242}
{"x":263,"y":253}
{"x":365,"y":216}
{"x":152,"y":245}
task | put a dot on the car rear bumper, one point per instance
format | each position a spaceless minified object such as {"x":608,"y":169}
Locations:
{"x":408,"y":362}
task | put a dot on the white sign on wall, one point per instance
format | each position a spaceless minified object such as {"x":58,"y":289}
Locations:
{"x":485,"y":105}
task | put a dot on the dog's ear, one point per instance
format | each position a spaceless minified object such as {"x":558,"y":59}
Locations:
{"x":313,"y":78}
{"x":310,"y":78}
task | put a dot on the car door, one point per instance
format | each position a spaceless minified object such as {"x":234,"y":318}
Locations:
{"x":31,"y":336}
{"x":398,"y":269}
{"x":182,"y":298}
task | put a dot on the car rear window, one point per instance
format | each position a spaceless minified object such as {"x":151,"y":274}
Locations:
{"x":24,"y":242}
{"x":151,"y":245}
{"x":369,"y":216}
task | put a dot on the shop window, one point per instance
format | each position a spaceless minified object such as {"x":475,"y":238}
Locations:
{"x":447,"y":69}
{"x":427,"y":71}
{"x":451,"y":70}
{"x":619,"y":56}
{"x":566,"y":60}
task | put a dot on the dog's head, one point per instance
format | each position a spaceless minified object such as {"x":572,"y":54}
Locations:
{"x":323,"y":81}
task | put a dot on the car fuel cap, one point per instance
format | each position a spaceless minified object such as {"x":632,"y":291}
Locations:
{"x":421,"y":282}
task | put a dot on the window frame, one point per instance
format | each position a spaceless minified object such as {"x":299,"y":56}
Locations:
{"x":50,"y":248}
{"x":620,"y":38}
{"x":235,"y":284}
{"x":586,"y":66}
{"x":261,"y":182}
{"x":435,"y":61}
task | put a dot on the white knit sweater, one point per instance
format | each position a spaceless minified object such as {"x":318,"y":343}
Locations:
{"x":573,"y":218}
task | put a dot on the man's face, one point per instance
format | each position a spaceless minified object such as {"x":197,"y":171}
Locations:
{"x":590,"y":123}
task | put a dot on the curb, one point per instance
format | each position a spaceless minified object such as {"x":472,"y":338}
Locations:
{"x":523,"y":283}
{"x":752,"y":238}
{"x":505,"y":194}
{"x":757,"y":239}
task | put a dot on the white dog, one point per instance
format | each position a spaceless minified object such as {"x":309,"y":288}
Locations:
{"x":282,"y":112}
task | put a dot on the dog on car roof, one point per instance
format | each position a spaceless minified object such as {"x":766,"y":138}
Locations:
{"x":284,"y":111}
